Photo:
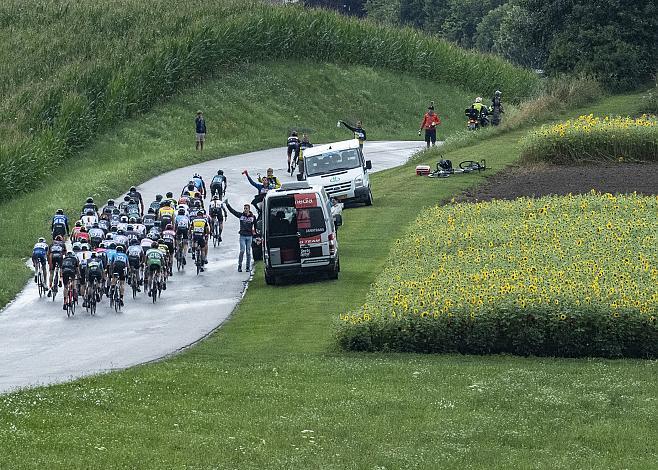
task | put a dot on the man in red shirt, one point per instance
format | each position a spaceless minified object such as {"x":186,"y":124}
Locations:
{"x":430,"y":121}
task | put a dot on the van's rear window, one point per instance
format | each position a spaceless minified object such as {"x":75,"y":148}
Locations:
{"x":285,"y":219}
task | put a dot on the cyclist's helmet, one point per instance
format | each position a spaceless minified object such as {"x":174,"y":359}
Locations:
{"x":181,"y":211}
{"x":132,"y":220}
{"x":77,"y":246}
{"x":158,"y":197}
{"x":93,"y":254}
{"x":293,"y":133}
{"x":95,"y":225}
{"x":108,"y":236}
{"x":197,"y":203}
{"x":201,"y":213}
{"x":58,"y":238}
{"x":160,"y":241}
{"x":78,"y":224}
{"x":196,"y":175}
{"x":151,"y":211}
{"x":124,"y":219}
{"x":215,"y":197}
{"x":152,"y":236}
{"x":154,"y":244}
{"x":134,"y":241}
{"x":130,"y":228}
{"x":113,"y":246}
{"x":170,"y":194}
{"x":120,"y":232}
{"x":85,"y":247}
{"x":121,"y":249}
{"x":90,"y":200}
{"x":220,"y":172}
{"x":478,"y":99}
{"x":69,"y":254}
{"x":116,"y":211}
{"x":133,"y":189}
{"x":83,"y":229}
{"x":42,"y":240}
{"x":169,"y":227}
{"x":497,"y":93}
{"x":60,"y":211}
{"x":110,"y":202}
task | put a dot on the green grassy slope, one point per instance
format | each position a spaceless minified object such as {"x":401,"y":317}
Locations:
{"x":73,"y":69}
{"x":251,"y":107}
{"x":269,"y":391}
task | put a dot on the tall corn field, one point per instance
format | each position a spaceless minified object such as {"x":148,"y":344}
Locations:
{"x":70,"y":70}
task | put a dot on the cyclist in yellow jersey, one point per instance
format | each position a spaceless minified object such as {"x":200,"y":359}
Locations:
{"x":200,"y":233}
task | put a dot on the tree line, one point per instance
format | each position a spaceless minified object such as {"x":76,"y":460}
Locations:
{"x":614,"y":41}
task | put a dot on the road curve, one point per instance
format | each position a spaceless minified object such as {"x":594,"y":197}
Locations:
{"x":40,"y":345}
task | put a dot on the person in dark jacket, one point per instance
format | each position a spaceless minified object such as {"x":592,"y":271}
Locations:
{"x":497,"y":108}
{"x":200,"y":124}
{"x":359,"y":132}
{"x":247,"y":229}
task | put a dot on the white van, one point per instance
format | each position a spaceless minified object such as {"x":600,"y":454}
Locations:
{"x":299,"y":232}
{"x":340,"y":169}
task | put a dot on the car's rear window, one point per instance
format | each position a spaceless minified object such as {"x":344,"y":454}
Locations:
{"x":284,"y":218}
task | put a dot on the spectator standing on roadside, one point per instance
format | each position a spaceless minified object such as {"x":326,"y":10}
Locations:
{"x":497,"y":108}
{"x":359,"y":131}
{"x":429,"y":123}
{"x":247,"y":229}
{"x":200,"y":124}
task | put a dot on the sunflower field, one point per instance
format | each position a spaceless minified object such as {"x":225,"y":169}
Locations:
{"x":594,"y":139}
{"x":567,"y":276}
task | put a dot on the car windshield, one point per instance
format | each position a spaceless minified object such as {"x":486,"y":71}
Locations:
{"x":331,"y":161}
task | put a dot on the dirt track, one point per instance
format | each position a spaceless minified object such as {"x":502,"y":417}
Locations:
{"x":542,"y":180}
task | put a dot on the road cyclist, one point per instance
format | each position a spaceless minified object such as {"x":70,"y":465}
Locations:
{"x":218,"y":213}
{"x":218,"y":184}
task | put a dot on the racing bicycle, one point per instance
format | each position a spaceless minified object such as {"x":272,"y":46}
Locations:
{"x":71,"y":298}
{"x":55,"y":281}
{"x":39,"y":279}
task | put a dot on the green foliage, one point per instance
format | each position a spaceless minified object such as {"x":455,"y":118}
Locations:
{"x":126,"y":63}
{"x":593,"y":139}
{"x":557,"y":276}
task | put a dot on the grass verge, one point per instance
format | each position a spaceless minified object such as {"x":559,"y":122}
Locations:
{"x":266,"y":391}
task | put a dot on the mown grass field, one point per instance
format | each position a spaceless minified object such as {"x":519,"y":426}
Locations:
{"x":270,"y":390}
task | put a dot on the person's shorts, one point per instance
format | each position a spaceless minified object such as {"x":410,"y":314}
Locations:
{"x":181,"y":232}
{"x":67,"y":275}
{"x":430,"y":136}
{"x":94,"y":275}
{"x":170,"y":245}
{"x":57,"y":260}
{"x":154,"y":268}
{"x":200,"y":136}
{"x":217,"y":215}
{"x":39,"y":259}
{"x":120,"y":269}
{"x":293,"y":149}
{"x":200,"y":240}
{"x":134,"y":262}
{"x":59,"y":230}
{"x":217,"y":188}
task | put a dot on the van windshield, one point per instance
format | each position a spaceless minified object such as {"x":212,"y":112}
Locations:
{"x":285,"y":219}
{"x":331,"y":161}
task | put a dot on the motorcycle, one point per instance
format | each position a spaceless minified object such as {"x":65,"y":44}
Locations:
{"x":475,"y":119}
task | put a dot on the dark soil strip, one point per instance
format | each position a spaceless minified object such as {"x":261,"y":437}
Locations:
{"x":542,"y":180}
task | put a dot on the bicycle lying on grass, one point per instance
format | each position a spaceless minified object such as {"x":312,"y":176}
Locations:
{"x":445,"y":169}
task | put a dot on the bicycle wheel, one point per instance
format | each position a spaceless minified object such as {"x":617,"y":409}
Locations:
{"x":72,"y":300}
{"x":154,"y":288}
{"x":55,"y":282}
{"x":133,"y":283}
{"x":40,"y":285}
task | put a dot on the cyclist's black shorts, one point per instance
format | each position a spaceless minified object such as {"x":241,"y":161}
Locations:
{"x":170,"y":245}
{"x":217,"y":214}
{"x":200,"y":240}
{"x":83,"y":275}
{"x":181,"y":232}
{"x":134,"y":262}
{"x":154,"y":268}
{"x":293,"y":148}
{"x":94,"y":275}
{"x":67,"y":275}
{"x":59,"y":230}
{"x":57,"y":260}
{"x":217,"y":188}
{"x":120,"y":269}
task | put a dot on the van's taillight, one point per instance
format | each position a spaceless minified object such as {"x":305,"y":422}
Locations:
{"x":332,"y":244}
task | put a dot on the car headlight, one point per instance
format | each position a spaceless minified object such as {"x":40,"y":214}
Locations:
{"x":358,"y":181}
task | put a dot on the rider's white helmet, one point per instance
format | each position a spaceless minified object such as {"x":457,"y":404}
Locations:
{"x":478,"y":99}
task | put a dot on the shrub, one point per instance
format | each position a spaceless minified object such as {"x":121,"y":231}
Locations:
{"x":557,"y":276}
{"x":594,"y":139}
